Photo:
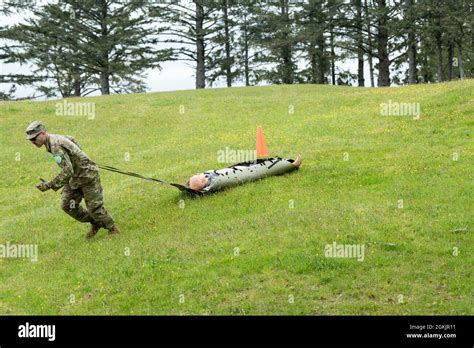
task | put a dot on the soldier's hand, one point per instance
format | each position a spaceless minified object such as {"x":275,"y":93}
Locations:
{"x":43,"y":186}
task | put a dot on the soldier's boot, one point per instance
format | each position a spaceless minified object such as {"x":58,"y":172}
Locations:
{"x":92,"y":231}
{"x":113,"y":230}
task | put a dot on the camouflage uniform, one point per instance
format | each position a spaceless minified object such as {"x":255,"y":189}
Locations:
{"x":79,"y":178}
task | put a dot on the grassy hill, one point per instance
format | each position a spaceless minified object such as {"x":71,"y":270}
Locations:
{"x":399,"y":186}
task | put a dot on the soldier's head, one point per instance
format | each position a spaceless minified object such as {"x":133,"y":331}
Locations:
{"x":36,"y":133}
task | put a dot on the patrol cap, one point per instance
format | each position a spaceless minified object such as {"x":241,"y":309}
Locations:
{"x":35,"y":128}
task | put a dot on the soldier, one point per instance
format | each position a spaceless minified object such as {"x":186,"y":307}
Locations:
{"x":79,"y":178}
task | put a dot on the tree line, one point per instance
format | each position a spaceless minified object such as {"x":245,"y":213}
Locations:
{"x":78,"y":47}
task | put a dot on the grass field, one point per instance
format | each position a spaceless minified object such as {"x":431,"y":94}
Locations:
{"x":399,"y":186}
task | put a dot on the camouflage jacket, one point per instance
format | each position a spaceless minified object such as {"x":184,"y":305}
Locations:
{"x":76,"y":167}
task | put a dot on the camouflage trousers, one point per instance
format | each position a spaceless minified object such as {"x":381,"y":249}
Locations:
{"x":91,"y":191}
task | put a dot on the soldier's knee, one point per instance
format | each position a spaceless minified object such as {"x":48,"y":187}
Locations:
{"x":95,"y":209}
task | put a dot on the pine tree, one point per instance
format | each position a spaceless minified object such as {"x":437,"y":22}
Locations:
{"x":86,"y":45}
{"x":223,"y":59}
{"x":247,"y":51}
{"x":382,"y":36}
{"x":352,"y":29}
{"x":7,"y":8}
{"x":193,"y":28}
{"x":313,"y":33}
{"x":276,"y":35}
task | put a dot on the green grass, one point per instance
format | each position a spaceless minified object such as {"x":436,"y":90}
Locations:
{"x":190,"y":253}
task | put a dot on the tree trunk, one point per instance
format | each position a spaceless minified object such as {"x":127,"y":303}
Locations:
{"x":427,"y":75}
{"x":382,"y":45}
{"x":200,"y":67}
{"x":412,"y":71}
{"x":360,"y":70}
{"x":333,"y":58}
{"x":287,"y":54}
{"x":450,"y":60}
{"x":76,"y":66}
{"x":460,"y":62}
{"x":426,"y":71}
{"x":411,"y":52}
{"x":321,"y":60}
{"x":360,"y":42}
{"x":312,"y":49}
{"x":246,"y":56}
{"x":104,"y":74}
{"x":77,"y":86}
{"x":439,"y":56}
{"x":104,"y":83}
{"x":228,"y":60}
{"x":369,"y":42}
{"x":439,"y":49}
{"x":314,"y":63}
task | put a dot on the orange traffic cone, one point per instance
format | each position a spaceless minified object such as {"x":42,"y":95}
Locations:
{"x":262,"y":150}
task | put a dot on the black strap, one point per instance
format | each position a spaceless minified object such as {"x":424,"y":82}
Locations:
{"x":139,"y":176}
{"x":116,"y":170}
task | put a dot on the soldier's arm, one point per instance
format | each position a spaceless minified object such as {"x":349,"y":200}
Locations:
{"x":62,"y":159}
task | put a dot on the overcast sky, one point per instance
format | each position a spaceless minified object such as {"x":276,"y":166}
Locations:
{"x":175,"y":75}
